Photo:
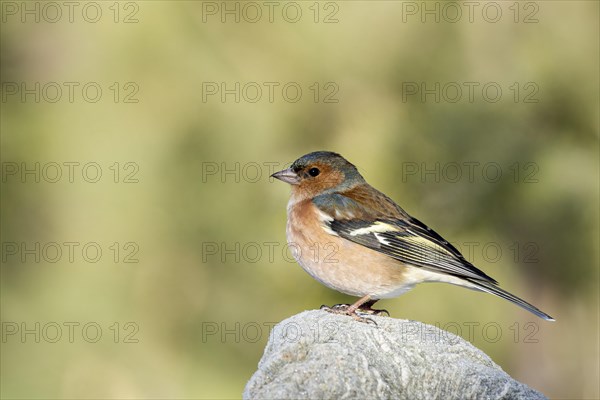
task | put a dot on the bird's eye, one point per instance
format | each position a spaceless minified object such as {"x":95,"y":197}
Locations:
{"x":314,"y":172}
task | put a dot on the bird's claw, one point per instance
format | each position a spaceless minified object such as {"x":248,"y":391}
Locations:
{"x":372,"y":311}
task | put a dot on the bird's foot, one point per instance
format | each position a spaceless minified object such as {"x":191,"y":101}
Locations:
{"x":347,"y":309}
{"x":367,"y":307}
{"x":336,"y":309}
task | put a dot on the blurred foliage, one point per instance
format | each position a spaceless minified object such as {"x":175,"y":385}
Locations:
{"x":179,"y":291}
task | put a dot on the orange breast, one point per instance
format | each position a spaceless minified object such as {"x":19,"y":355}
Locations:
{"x":339,"y":263}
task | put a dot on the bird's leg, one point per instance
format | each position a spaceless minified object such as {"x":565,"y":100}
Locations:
{"x":358,"y":304}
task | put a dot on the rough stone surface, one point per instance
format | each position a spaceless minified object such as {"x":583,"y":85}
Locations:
{"x":318,"y":355}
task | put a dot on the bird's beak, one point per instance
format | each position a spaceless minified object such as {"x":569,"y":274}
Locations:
{"x":288,"y":176}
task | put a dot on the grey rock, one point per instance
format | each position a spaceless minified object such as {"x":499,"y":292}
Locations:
{"x":319,"y":355}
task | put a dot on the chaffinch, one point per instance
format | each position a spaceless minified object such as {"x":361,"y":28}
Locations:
{"x":352,"y":238}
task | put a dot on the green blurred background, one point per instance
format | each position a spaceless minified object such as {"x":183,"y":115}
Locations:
{"x":193,"y":210}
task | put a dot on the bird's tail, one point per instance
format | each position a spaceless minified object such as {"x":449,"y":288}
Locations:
{"x":493,"y":289}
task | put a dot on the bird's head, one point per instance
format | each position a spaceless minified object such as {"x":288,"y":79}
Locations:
{"x":318,"y":173}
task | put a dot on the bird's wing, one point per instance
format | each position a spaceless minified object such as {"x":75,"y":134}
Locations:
{"x":401,"y":237}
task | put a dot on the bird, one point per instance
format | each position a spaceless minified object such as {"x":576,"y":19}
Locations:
{"x":352,"y":238}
